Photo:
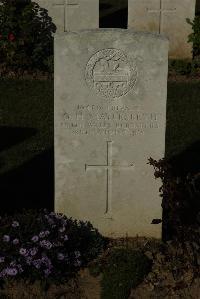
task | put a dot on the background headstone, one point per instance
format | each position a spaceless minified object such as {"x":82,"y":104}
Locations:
{"x":167,"y":17}
{"x":72,"y":15}
{"x":110,"y":114}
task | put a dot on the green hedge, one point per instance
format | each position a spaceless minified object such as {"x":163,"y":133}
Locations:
{"x":26,"y":40}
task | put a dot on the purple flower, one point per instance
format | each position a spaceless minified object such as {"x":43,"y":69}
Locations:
{"x":52,"y":214}
{"x":37,"y":264}
{"x":6,"y":238}
{"x":66,"y":238}
{"x":20,"y":269}
{"x":64,"y":221}
{"x":23,"y":251}
{"x":47,"y":232}
{"x":77,"y":263}
{"x":59,"y":216}
{"x":47,"y":272}
{"x":77,"y":254}
{"x":15,"y":241}
{"x":57,"y":244}
{"x":11,"y":271}
{"x":35,"y":238}
{"x":51,"y":222}
{"x":46,"y":261}
{"x":13,"y":263}
{"x":60,"y":256}
{"x":2,"y":259}
{"x":28,"y":260}
{"x":33,"y":251}
{"x":45,"y":244}
{"x":2,"y":273}
{"x":42,"y":234}
{"x":15,"y":224}
{"x":62,"y":229}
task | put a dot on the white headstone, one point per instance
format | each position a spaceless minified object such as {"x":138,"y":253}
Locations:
{"x":72,"y":15}
{"x":110,"y":114}
{"x":167,"y":17}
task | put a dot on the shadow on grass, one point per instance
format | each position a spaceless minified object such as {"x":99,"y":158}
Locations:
{"x":29,"y":186}
{"x":10,"y":136}
{"x":187,"y":161}
{"x":183,"y":164}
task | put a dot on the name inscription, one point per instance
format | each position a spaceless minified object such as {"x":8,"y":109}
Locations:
{"x":109,"y":120}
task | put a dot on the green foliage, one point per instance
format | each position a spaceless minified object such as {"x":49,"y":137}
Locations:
{"x":45,"y":246}
{"x":26,"y":40}
{"x":49,"y":63}
{"x":124,"y":269}
{"x":194,"y":37}
{"x":184,"y":67}
{"x":181,"y":67}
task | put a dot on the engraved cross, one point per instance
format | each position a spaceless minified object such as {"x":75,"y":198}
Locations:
{"x":161,"y":11}
{"x":109,"y":167}
{"x":64,"y":4}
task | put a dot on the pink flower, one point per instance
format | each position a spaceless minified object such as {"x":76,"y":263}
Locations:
{"x":11,"y":37}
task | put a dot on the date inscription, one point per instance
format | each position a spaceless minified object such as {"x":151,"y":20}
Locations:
{"x":109,"y":120}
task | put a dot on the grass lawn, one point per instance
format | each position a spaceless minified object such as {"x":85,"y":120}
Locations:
{"x":26,"y":148}
{"x":26,"y":119}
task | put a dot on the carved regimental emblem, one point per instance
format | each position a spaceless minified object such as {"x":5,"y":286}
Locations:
{"x":111,"y":73}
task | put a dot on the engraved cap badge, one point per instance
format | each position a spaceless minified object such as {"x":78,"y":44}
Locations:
{"x":110,"y":73}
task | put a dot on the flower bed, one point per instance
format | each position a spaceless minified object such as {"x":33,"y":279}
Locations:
{"x":45,"y":246}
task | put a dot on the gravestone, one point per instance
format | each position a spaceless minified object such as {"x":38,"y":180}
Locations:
{"x":72,"y":15}
{"x":167,"y":17}
{"x":110,"y":114}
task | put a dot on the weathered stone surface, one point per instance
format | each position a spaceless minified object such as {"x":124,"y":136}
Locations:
{"x":72,"y":15}
{"x":165,"y":16}
{"x":110,"y":114}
